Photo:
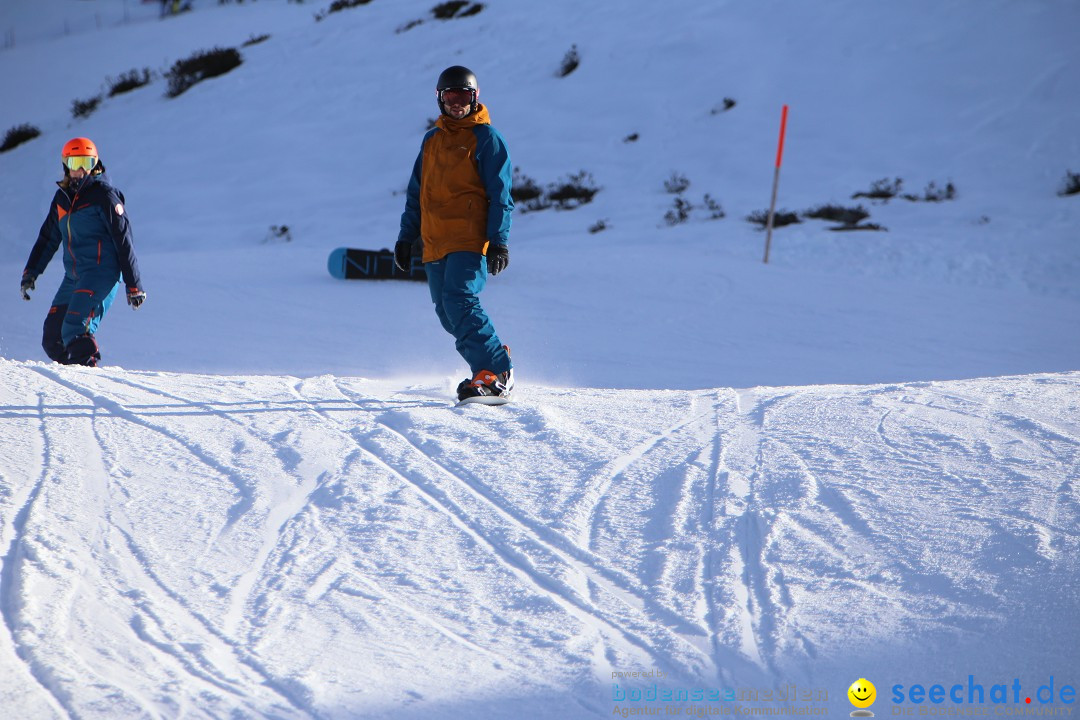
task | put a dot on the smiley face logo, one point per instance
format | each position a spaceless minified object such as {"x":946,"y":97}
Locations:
{"x":862,"y":693}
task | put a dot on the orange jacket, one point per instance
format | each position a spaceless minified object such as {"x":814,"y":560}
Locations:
{"x":459,"y":194}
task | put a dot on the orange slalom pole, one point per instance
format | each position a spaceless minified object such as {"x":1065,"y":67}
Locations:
{"x":776,"y":182}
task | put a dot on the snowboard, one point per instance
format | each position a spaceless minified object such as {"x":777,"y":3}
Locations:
{"x":485,"y":400}
{"x":354,"y":264}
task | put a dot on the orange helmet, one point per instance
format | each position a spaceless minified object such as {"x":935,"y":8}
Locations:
{"x":79,"y":146}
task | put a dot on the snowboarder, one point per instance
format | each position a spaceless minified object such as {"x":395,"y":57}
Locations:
{"x":88,"y":216}
{"x":458,"y":208}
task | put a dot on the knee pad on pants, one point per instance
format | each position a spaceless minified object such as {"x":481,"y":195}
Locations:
{"x":51,"y":339}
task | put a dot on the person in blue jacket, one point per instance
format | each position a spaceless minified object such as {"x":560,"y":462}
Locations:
{"x":458,"y":208}
{"x":88,"y":218}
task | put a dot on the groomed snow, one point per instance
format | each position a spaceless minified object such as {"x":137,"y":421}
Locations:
{"x":859,"y":461}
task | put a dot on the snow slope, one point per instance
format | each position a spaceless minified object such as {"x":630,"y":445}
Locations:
{"x":858,"y":461}
{"x":319,"y":127}
{"x":190,"y":546}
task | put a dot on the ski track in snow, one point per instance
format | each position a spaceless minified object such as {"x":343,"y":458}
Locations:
{"x":148,"y":625}
{"x":452,"y":496}
{"x":11,"y":564}
{"x":749,"y":515}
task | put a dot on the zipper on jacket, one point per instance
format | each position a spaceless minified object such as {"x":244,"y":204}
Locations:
{"x":71,"y":249}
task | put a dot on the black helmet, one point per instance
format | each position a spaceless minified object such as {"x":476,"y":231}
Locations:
{"x":457,"y":77}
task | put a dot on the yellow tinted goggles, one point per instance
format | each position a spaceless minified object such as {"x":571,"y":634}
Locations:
{"x":80,"y":162}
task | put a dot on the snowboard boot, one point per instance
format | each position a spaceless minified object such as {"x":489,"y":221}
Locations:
{"x":487,"y":383}
{"x":83,"y":350}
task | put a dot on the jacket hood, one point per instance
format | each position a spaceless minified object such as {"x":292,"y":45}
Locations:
{"x":480,"y":117}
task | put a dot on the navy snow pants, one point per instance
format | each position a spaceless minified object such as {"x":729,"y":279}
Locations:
{"x":76,"y":312}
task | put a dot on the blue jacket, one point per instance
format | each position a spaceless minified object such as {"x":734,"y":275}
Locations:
{"x":92,"y":224}
{"x":458,"y":197}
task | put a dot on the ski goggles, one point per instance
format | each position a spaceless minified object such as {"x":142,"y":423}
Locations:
{"x":80,"y":162}
{"x":457,"y":96}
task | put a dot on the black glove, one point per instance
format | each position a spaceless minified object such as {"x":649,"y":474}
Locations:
{"x":27,"y":284}
{"x":135,"y":297}
{"x":403,"y":255}
{"x":498,"y":258}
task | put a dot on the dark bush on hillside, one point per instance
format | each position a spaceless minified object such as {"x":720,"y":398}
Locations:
{"x":278,"y":233}
{"x":632,"y":137}
{"x":456,"y":9}
{"x":849,"y":218}
{"x":526,"y":193}
{"x":129,"y":81}
{"x":680,"y":213}
{"x":200,"y":66}
{"x":780,"y":218}
{"x":681,"y":209}
{"x":18,"y":135}
{"x":837,"y":213}
{"x":570,"y":61}
{"x":864,"y":226}
{"x":1071,"y":185}
{"x":726,"y":105}
{"x":83,"y":108}
{"x":598,"y":226}
{"x":338,"y":6}
{"x":255,"y":40}
{"x":573,"y":192}
{"x":883,"y":190}
{"x":409,"y":26}
{"x":932,"y":193}
{"x":676,"y":184}
{"x":716,"y":212}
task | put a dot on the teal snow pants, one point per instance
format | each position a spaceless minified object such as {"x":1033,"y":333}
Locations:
{"x":455,"y":283}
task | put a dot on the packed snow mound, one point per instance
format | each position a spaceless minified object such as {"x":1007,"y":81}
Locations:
{"x":204,"y":546}
{"x":319,"y":127}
